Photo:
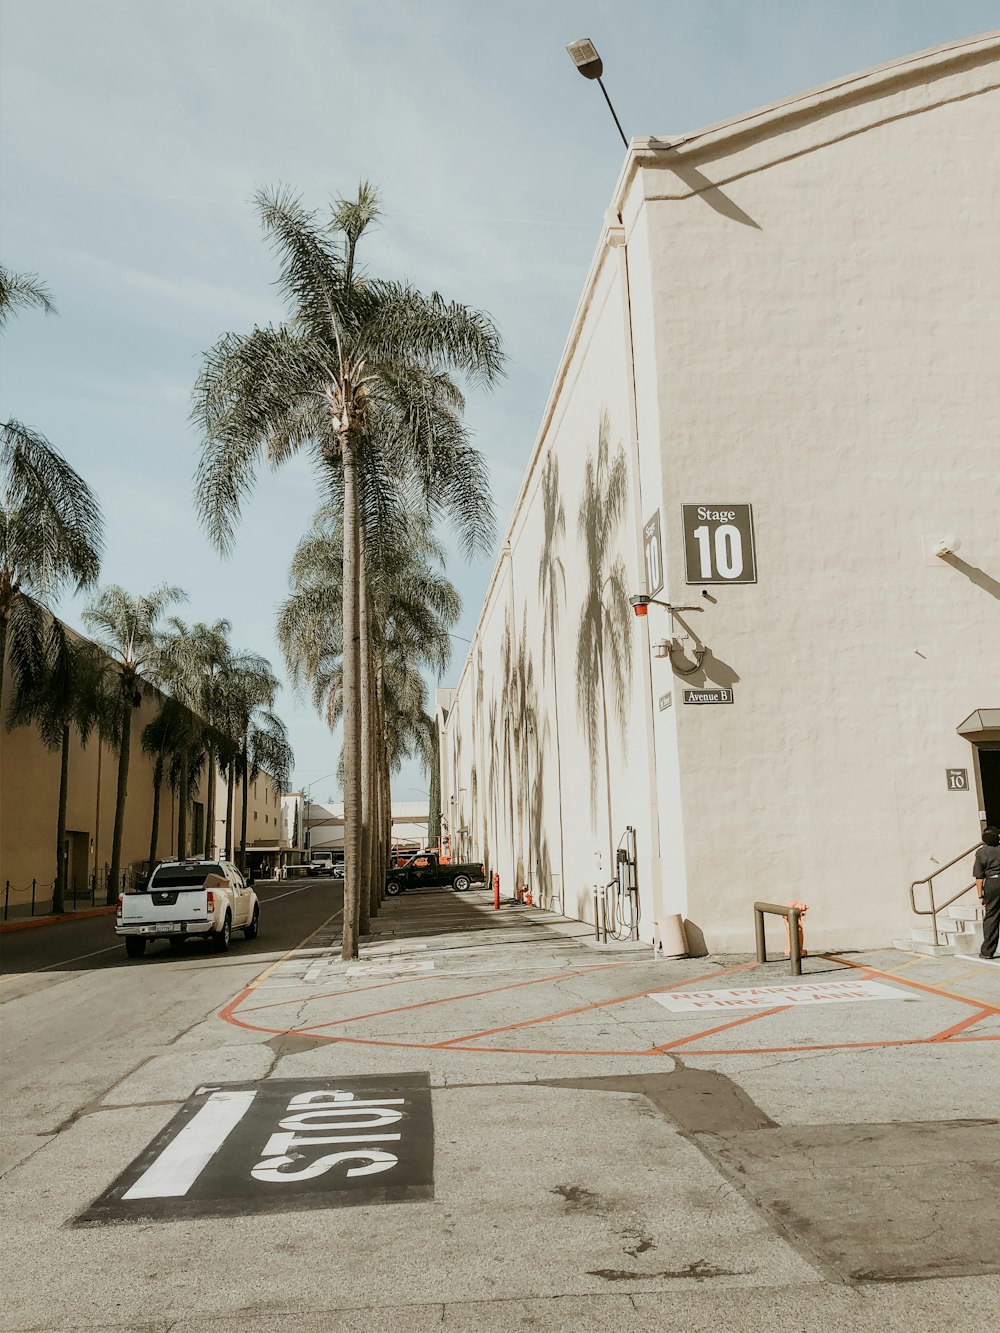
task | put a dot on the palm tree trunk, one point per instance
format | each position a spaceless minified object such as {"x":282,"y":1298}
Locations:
{"x":124,"y":753}
{"x":367,"y":750}
{"x":245,"y":796}
{"x":434,"y":792}
{"x":351,"y":713}
{"x":154,"y":830}
{"x":59,"y":887}
{"x":182,"y":808}
{"x":210,"y":806}
{"x":230,"y":799}
{"x":3,"y":677}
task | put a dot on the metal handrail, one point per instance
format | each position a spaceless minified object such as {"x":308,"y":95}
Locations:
{"x":934,"y":908}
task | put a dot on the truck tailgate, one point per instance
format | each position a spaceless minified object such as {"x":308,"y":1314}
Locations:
{"x":162,"y":905}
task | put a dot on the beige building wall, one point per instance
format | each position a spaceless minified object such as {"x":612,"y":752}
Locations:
{"x":807,"y":301}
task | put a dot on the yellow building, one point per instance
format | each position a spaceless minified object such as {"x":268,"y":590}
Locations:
{"x":29,"y":790}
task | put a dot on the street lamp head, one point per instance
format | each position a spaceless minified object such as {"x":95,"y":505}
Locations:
{"x":584,"y":56}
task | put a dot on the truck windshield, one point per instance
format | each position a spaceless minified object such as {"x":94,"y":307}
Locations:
{"x":183,"y":877}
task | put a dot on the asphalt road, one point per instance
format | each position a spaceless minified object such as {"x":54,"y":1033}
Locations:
{"x":289,"y":911}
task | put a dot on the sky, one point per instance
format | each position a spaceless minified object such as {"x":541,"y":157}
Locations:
{"x":133,"y":134}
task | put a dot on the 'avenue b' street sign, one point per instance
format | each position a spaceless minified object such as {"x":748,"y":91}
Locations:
{"x":282,"y":1144}
{"x":716,"y":696}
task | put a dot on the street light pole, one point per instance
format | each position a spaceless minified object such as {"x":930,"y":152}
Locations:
{"x":584,"y":56}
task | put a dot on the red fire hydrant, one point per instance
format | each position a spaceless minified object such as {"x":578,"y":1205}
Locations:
{"x":788,"y":931}
{"x":496,"y":890}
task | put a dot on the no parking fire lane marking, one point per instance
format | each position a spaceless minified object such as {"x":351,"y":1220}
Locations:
{"x":281,"y":1145}
{"x":767,"y":997}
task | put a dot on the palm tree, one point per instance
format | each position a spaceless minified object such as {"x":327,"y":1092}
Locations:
{"x":258,"y":738}
{"x":162,"y":739}
{"x":360,"y":378}
{"x":194,"y":663}
{"x":127,"y":630}
{"x":604,"y":641}
{"x":72,"y":691}
{"x":22,"y":289}
{"x":412,"y":607}
{"x":51,"y":529}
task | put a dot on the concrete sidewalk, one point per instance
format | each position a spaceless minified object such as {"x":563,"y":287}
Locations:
{"x":731,"y":1157}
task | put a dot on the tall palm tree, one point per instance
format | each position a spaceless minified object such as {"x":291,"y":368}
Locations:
{"x":51,"y":529}
{"x":360,"y":378}
{"x":194,"y":661}
{"x":412,"y":607}
{"x":71,"y":692}
{"x":163,"y":739}
{"x":127,"y":629}
{"x":604,"y":640}
{"x":258,"y":738}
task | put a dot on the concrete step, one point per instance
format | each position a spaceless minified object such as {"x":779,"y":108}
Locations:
{"x":946,"y":932}
{"x":969,"y":941}
{"x":925,"y":947}
{"x":970,"y":911}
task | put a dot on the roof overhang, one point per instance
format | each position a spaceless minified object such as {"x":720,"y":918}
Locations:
{"x":983,"y":724}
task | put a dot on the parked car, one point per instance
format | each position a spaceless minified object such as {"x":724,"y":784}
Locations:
{"x":208,"y":899}
{"x":425,"y":870}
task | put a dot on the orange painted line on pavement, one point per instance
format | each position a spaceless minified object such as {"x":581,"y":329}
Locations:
{"x":449,"y":999}
{"x":586,"y":1008}
{"x":710,"y":1032}
{"x":916,"y":985}
{"x":405,"y":981}
{"x":969,"y":1022}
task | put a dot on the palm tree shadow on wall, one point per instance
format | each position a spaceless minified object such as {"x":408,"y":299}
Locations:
{"x":552,"y":591}
{"x":604,"y":638}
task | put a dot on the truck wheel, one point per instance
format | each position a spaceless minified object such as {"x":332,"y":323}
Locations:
{"x":460,"y":883}
{"x":250,"y":932}
{"x":135,"y":946}
{"x":392,"y":887}
{"x":222,"y":937}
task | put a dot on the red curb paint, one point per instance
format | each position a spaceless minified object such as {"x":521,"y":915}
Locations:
{"x":35,"y":921}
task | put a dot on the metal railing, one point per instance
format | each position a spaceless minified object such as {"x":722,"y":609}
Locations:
{"x":934,"y":908}
{"x":38,"y":899}
{"x":792,"y":915}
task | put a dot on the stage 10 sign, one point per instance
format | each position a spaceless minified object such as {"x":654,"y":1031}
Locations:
{"x":718,"y":543}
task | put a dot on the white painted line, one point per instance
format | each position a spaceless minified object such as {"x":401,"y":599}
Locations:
{"x":773,"y":997}
{"x":978,"y":958}
{"x":185,"y":1157}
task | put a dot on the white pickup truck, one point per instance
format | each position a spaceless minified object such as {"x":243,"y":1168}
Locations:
{"x":209,"y":899}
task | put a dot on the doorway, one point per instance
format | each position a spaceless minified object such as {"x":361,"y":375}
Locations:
{"x":988,"y":764}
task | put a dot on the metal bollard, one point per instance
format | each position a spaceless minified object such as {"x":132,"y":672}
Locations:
{"x":6,"y":899}
{"x":792,"y":915}
{"x":33,"y":883}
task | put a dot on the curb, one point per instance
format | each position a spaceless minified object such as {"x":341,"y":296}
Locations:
{"x":55,"y":920}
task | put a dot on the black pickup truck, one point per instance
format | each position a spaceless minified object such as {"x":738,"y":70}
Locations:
{"x":424,"y":870}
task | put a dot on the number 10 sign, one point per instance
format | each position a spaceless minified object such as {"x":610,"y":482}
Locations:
{"x":718,"y":544}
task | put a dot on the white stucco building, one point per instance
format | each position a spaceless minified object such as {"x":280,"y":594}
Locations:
{"x":784,"y":370}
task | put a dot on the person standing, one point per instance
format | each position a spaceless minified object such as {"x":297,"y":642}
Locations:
{"x":987,"y":876}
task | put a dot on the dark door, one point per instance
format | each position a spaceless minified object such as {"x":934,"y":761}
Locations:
{"x":989,"y":781}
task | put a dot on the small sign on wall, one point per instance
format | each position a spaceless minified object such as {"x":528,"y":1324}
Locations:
{"x":719,"y":543}
{"x":665,"y":701}
{"x":957,"y":778}
{"x":652,"y":544}
{"x":719,"y":696}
